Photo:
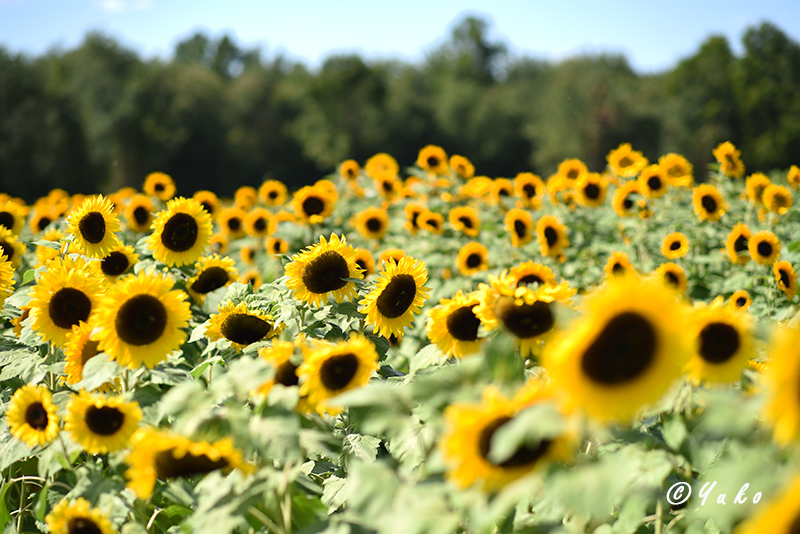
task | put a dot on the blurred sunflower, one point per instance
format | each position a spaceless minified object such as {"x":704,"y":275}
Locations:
{"x":116,"y":263}
{"x":653,"y":182}
{"x":397,"y":295}
{"x":782,"y":384}
{"x":141,"y":320}
{"x":626,"y":162}
{"x":276,"y":246}
{"x":245,"y":197}
{"x":365,"y":261}
{"x":778,"y":198}
{"x":272,"y":193}
{"x":412,"y":212}
{"x":530,"y":188}
{"x":78,"y":517}
{"x":11,"y":247}
{"x":624,"y":199}
{"x":673,"y":276}
{"x":502,"y":189}
{"x":740,"y":300}
{"x":209,"y":201}
{"x":708,"y":203}
{"x":433,"y":158}
{"x":591,"y":189}
{"x":241,"y":325}
{"x":618,"y":264}
{"x":624,"y":352}
{"x":572,"y":170}
{"x":31,"y":415}
{"x":349,"y":170}
{"x":781,"y":515}
{"x":248,"y":254}
{"x":388,"y":186}
{"x":218,"y":243}
{"x":66,"y":293}
{"x":528,"y":273}
{"x":319,"y":271}
{"x":432,"y":222}
{"x":101,"y":425}
{"x":253,"y":278}
{"x":729,"y":159}
{"x":465,"y":219}
{"x":212,"y":273}
{"x":371,"y":222}
{"x":6,"y":279}
{"x":380,"y":165}
{"x":471,"y":429}
{"x":764,"y":247}
{"x":755,"y":185}
{"x":786,"y":278}
{"x":463,"y":167}
{"x":453,"y":325}
{"x":138,"y":213}
{"x":519,"y":224}
{"x":476,"y":187}
{"x":675,"y":245}
{"x":161,"y":455}
{"x":331,"y":369}
{"x":395,"y":254}
{"x":793,"y":176}
{"x":279,"y":356}
{"x":256,"y":222}
{"x":313,"y":204}
{"x":44,"y":253}
{"x":678,"y":170}
{"x":736,"y":244}
{"x":472,"y":258}
{"x":159,"y":185}
{"x":12,"y":216}
{"x":44,"y":214}
{"x":231,"y":222}
{"x":552,"y":236}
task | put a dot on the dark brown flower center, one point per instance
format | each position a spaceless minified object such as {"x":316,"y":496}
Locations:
{"x":104,"y":421}
{"x":234,"y":224}
{"x":92,"y":227}
{"x":718,"y":342}
{"x":551,"y":236}
{"x":141,"y":320}
{"x":273,"y":194}
{"x":141,"y":215}
{"x":83,"y":525}
{"x":573,"y":173}
{"x":68,"y":307}
{"x":654,"y":183}
{"x":36,"y":416}
{"x":159,"y":187}
{"x":89,"y":351}
{"x":413,"y":219}
{"x":432,"y":161}
{"x":672,"y":278}
{"x":313,"y":206}
{"x":740,"y":245}
{"x":397,"y":296}
{"x":618,"y":268}
{"x":527,"y":320}
{"x":337,"y":371}
{"x":362,"y":264}
{"x":592,"y":191}
{"x":168,"y":465}
{"x":463,"y":324}
{"x":286,"y":374}
{"x":741,"y":301}
{"x":114,"y":264}
{"x":6,"y":249}
{"x":466,"y":221}
{"x":260,"y":224}
{"x":622,"y":351}
{"x":520,"y":229}
{"x":474,"y":260}
{"x":243,"y":328}
{"x":210,"y":279}
{"x":764,"y":249}
{"x":709,"y":204}
{"x":530,"y":190}
{"x":785,"y":279}
{"x":374,"y":225}
{"x":675,"y":245}
{"x":627,"y":203}
{"x":523,"y":456}
{"x":625,"y":161}
{"x":529,"y":279}
{"x":180,"y":232}
{"x":326,"y":272}
{"x":208,"y":207}
{"x":7,"y":220}
{"x":43,"y":223}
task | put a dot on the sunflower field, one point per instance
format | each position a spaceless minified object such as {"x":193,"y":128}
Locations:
{"x":416,"y":350}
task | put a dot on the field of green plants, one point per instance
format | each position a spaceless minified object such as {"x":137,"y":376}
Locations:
{"x":407,"y":347}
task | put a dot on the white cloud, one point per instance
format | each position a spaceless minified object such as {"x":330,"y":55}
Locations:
{"x":120,"y":6}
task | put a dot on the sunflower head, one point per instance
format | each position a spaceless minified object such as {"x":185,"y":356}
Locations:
{"x":256,"y":222}
{"x":365,"y":261}
{"x":117,"y":262}
{"x":465,"y":219}
{"x":279,"y":355}
{"x":736,"y":245}
{"x":245,"y":197}
{"x":708,"y":203}
{"x":208,"y":200}
{"x":159,"y":185}
{"x":349,"y":170}
{"x":432,"y":222}
{"x":212,"y":273}
{"x":94,"y":225}
{"x":740,"y":300}
{"x":398,"y":294}
{"x":653,"y":181}
{"x":381,"y":164}
{"x":320,"y":270}
{"x":519,"y":224}
{"x":502,"y":189}
{"x":11,"y":247}
{"x":591,"y":189}
{"x":472,"y":258}
{"x":675,"y":245}
{"x":391,"y":254}
{"x":241,"y":325}
{"x":530,"y":188}
{"x":272,"y":193}
{"x":412,"y":212}
{"x":231,"y":222}
{"x":778,"y":198}
{"x":78,"y":517}
{"x":672,"y":276}
{"x":786,"y":278}
{"x":138,"y":213}
{"x":793,"y":176}
{"x":626,"y":162}
{"x":432,"y":158}
{"x":12,"y":216}
{"x":101,"y":425}
{"x":31,"y":415}
{"x":372,"y":222}
{"x":618,"y":264}
{"x":552,"y":235}
{"x":678,"y":170}
{"x":453,"y":325}
{"x":312,"y":204}
{"x":625,"y":197}
{"x":463,"y":167}
{"x":764,"y":247}
{"x":782,"y":384}
{"x":530,"y":273}
{"x":755,"y":185}
{"x":572,"y":170}
{"x":729,"y":159}
{"x":180,"y":233}
{"x":79,"y":350}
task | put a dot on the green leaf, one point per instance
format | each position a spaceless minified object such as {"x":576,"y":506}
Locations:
{"x":40,"y":508}
{"x":29,"y":275}
{"x":97,"y":371}
{"x":5,"y":513}
{"x":429,"y":355}
{"x":49,"y":244}
{"x":674,"y":431}
{"x":531,"y":426}
{"x":365,"y":448}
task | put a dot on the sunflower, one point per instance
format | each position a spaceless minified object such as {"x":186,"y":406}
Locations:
{"x":218,"y":243}
{"x":736,"y":245}
{"x":139,"y":213}
{"x":463,"y":167}
{"x":708,"y":203}
{"x":209,"y":201}
{"x":502,"y":188}
{"x":529,"y":273}
{"x":729,"y":158}
{"x":248,"y":254}
{"x":349,"y":170}
{"x":78,"y":350}
{"x":453,"y":325}
{"x":782,"y":383}
{"x":279,"y":355}
{"x":67,"y":292}
{"x":675,"y":245}
{"x":778,"y":198}
{"x":394,"y":254}
{"x":253,"y":278}
{"x":116,"y":263}
{"x":432,"y":158}
{"x":572,"y":170}
{"x":471,"y":428}
{"x":94,"y":225}
{"x":398,"y":294}
{"x":381,"y":164}
{"x":371,"y":222}
{"x":672,"y":276}
{"x":313,"y":204}
{"x":626,"y":162}
{"x":44,"y":214}
{"x":101,"y":425}
{"x":618,"y":264}
{"x":272,"y":193}
{"x":180,"y":233}
{"x":559,"y":189}
{"x":12,"y":216}
{"x":624,"y":199}
{"x":653,"y":182}
{"x":78,"y":517}
{"x":786,"y":278}
{"x":624,"y":352}
{"x":465,"y":219}
{"x":591,"y":189}
{"x":412,"y":212}
{"x":276,"y":246}
{"x":530,"y":188}
{"x":331,"y":369}
{"x":365,"y":261}
{"x":319,"y":271}
{"x":11,"y":247}
{"x":476,"y":187}
{"x":231,"y":222}
{"x":519,"y":224}
{"x":472,"y":258}
{"x":678,"y":170}
{"x":241,"y":325}
{"x":118,"y":199}
{"x":388,"y":186}
{"x":781,"y":515}
{"x":764,"y":247}
{"x":141,"y":320}
{"x":793,"y":176}
{"x":432,"y":222}
{"x":31,"y":415}
{"x":256,"y":222}
{"x":6,"y":279}
{"x":159,"y":185}
{"x":161,"y":455}
{"x":528,"y":313}
{"x":213,"y":272}
{"x":245,"y":197}
{"x":740,"y":300}
{"x":552,"y":236}
{"x":755,"y":185}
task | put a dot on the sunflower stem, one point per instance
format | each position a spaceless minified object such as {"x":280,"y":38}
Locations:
{"x":23,"y":490}
{"x":659,"y":516}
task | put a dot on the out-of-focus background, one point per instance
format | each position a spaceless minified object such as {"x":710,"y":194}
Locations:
{"x":96,"y":94}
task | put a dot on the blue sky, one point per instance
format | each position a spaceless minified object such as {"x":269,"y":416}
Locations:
{"x":653,"y":35}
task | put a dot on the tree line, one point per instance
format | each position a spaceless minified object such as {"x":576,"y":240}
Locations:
{"x":217,"y":116}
